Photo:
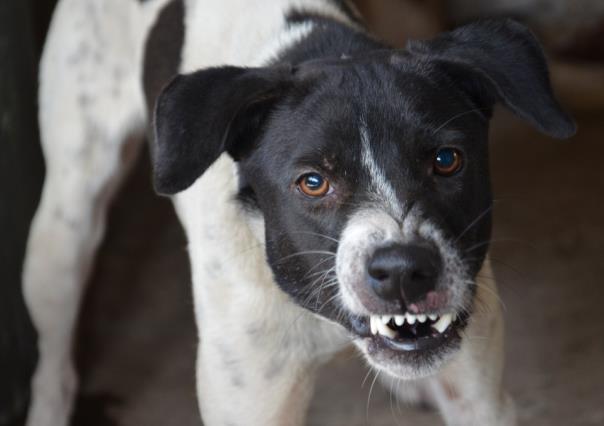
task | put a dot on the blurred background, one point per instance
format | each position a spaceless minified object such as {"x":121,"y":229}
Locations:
{"x":136,"y":341}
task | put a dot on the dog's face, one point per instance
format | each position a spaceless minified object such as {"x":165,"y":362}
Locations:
{"x":370,"y":174}
{"x":368,"y":185}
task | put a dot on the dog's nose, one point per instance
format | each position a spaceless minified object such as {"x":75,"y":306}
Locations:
{"x":404,"y":272}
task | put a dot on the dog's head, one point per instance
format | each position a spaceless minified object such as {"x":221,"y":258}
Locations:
{"x":370,"y":173}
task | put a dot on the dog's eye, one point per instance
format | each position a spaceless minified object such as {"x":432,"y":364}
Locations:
{"x":313,"y":185}
{"x":447,"y":161}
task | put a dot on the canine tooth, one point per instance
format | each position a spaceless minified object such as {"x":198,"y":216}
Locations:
{"x":386,"y":319}
{"x":373,"y":323}
{"x":385,"y":330}
{"x":433,"y":317}
{"x":399,"y":320}
{"x":410,"y":318}
{"x":421,"y":318}
{"x":443,"y":323}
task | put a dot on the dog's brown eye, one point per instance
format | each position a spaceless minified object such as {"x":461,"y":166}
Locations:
{"x":447,"y":161}
{"x":313,"y":185}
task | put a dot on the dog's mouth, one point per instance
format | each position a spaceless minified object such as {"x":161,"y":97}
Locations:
{"x":411,"y":333}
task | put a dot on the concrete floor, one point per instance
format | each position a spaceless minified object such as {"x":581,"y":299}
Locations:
{"x":137,"y":337}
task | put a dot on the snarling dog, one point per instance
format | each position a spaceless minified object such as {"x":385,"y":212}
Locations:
{"x":333,"y":190}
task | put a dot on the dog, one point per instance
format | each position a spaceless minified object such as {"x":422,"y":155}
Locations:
{"x":333,"y":190}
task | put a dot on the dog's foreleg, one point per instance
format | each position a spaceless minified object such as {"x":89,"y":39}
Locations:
{"x":254,"y":371}
{"x":90,"y":103}
{"x":258,"y":351}
{"x":257,"y":361}
{"x":469,"y":391}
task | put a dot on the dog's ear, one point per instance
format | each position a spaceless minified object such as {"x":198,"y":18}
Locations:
{"x":199,"y":116}
{"x":500,"y":60}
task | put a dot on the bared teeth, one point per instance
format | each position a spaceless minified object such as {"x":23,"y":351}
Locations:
{"x":384,"y":330}
{"x":385,"y":325}
{"x":373,"y":324}
{"x":443,"y":323}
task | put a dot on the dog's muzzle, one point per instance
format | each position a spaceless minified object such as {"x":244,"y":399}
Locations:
{"x":406,"y":291}
{"x":403,"y":280}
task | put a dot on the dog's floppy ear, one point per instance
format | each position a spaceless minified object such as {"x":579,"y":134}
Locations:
{"x":500,"y":60}
{"x":199,"y":116}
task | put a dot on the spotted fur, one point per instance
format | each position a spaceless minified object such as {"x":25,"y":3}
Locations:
{"x":246,"y":58}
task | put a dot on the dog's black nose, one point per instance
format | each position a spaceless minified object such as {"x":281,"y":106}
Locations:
{"x":404,"y":272}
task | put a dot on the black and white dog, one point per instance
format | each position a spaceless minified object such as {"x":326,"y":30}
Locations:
{"x":333,"y":191}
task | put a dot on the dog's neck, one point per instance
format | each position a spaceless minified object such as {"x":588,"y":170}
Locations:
{"x":324,"y":37}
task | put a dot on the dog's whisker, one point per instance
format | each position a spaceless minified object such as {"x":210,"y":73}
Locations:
{"x":326,"y":277}
{"x":322,"y":278}
{"x":456,"y":116}
{"x":324,"y":286}
{"x":321,"y":274}
{"x":316,"y":292}
{"x":307,"y":252}
{"x":308,"y":274}
{"x":327,"y":302}
{"x":369,"y":371}
{"x":491,"y":291}
{"x":369,"y":396}
{"x":398,"y":399}
{"x":317,"y":234}
{"x":473,"y":223}
{"x":511,"y":268}
{"x":498,"y":241}
{"x":394,"y":416}
{"x":314,"y":274}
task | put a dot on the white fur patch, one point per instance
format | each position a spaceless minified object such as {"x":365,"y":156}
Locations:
{"x":383,"y":189}
{"x":365,"y":231}
{"x":284,"y":40}
{"x":244,"y":32}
